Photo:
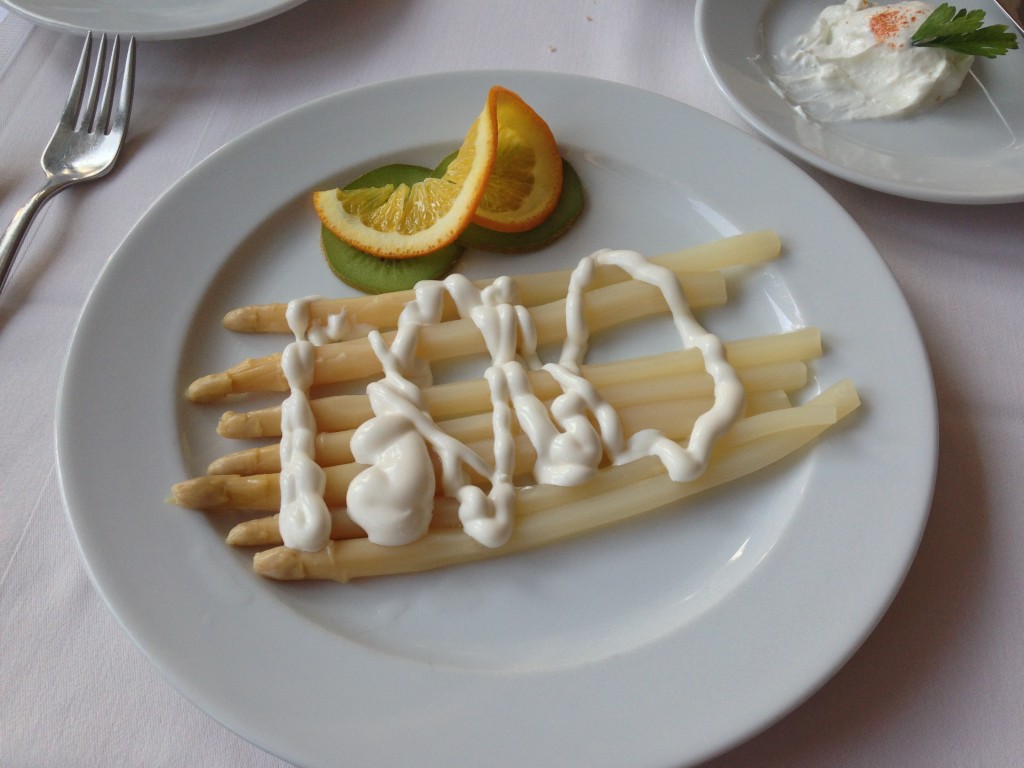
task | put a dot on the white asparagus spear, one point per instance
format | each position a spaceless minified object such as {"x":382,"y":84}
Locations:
{"x":382,"y":311}
{"x":265,"y":531}
{"x":461,"y":398}
{"x":333,"y":447}
{"x":622,"y":492}
{"x":354,"y":359}
{"x":263,"y":491}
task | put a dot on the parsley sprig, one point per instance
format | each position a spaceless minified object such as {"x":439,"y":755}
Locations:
{"x":961,"y":30}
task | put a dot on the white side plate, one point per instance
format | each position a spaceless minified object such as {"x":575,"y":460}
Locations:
{"x":149,"y":19}
{"x":968,"y":150}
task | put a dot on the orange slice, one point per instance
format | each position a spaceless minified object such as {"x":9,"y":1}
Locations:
{"x":526,"y":180}
{"x":507,"y":176}
{"x":402,"y":221}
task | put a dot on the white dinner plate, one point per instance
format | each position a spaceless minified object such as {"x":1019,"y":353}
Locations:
{"x":657,"y":643}
{"x":968,"y":150}
{"x":149,"y":19}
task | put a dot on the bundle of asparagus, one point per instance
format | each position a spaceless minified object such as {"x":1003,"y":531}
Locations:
{"x":668,"y":391}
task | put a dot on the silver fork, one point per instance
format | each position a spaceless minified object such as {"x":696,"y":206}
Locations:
{"x":88,"y":138}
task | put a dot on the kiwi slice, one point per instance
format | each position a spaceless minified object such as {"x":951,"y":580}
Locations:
{"x":372,"y":274}
{"x":561,"y":219}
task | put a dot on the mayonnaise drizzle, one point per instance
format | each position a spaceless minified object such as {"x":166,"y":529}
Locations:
{"x":393,"y":499}
{"x":305,"y":521}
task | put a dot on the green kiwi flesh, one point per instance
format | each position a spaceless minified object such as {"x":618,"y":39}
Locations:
{"x":561,"y":219}
{"x":371,"y":274}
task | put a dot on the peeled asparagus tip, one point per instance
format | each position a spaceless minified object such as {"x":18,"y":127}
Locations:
{"x":241,"y":319}
{"x":201,"y":493}
{"x":244,"y":462}
{"x":281,"y":563}
{"x":261,"y":532}
{"x":209,"y":388}
{"x":237,"y":536}
{"x":259,"y":318}
{"x":265,"y":422}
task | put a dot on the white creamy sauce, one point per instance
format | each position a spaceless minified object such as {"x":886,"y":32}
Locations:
{"x":393,"y":498}
{"x":857,"y":62}
{"x":305,"y":521}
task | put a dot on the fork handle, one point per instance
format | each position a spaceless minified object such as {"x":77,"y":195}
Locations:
{"x":15,"y":233}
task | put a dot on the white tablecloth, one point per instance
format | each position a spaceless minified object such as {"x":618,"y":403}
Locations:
{"x":938,"y":683}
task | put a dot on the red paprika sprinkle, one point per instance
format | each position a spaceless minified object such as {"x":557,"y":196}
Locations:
{"x":887,"y":24}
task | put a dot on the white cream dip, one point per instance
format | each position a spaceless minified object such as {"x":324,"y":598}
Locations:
{"x":857,"y":62}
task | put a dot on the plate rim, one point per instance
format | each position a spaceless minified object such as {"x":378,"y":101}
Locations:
{"x":153,"y":30}
{"x":61,"y":423}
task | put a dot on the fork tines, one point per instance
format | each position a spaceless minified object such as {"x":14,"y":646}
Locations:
{"x":97,"y":113}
